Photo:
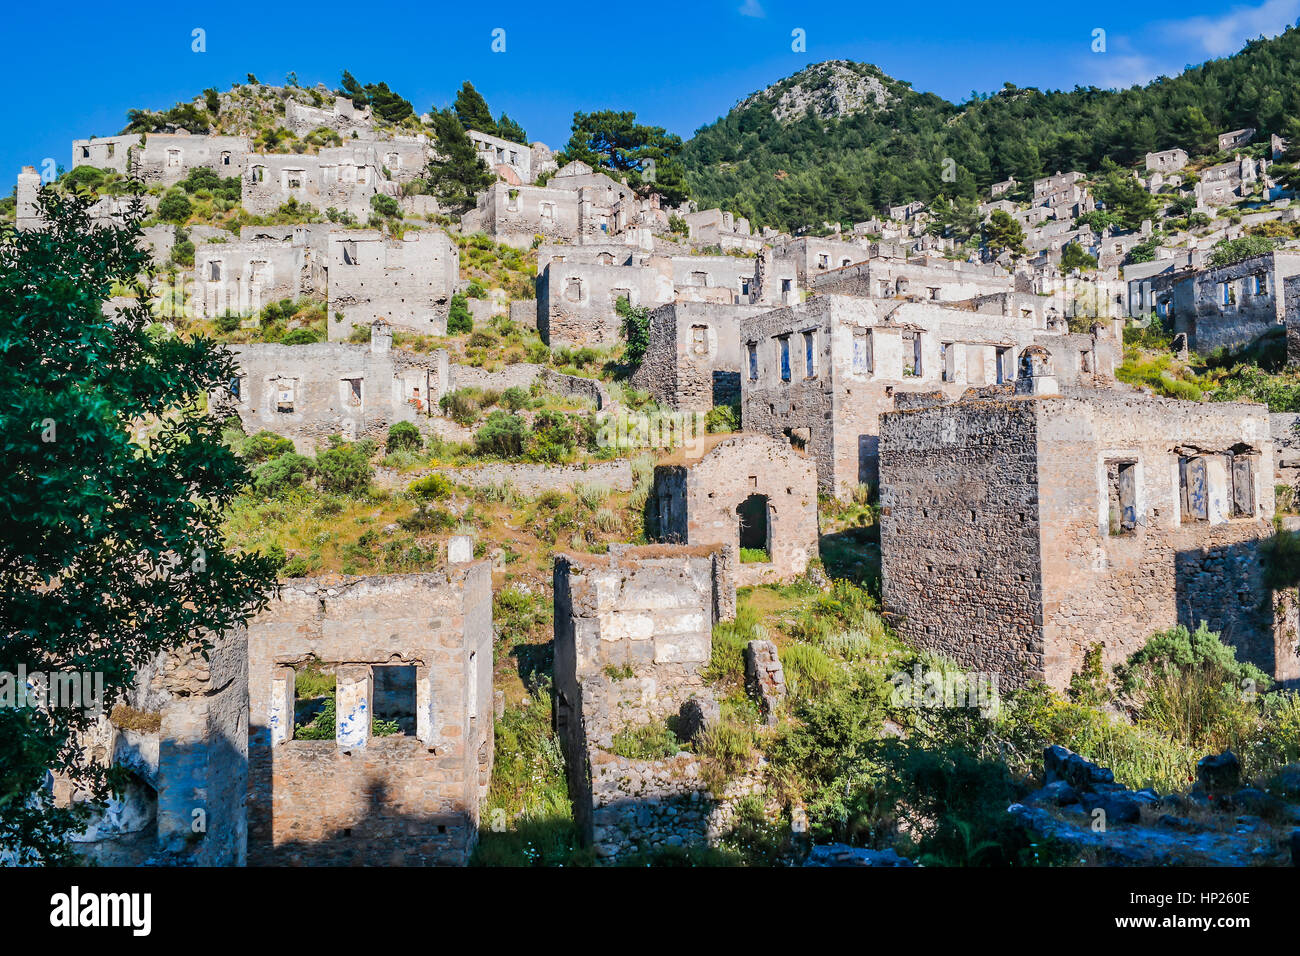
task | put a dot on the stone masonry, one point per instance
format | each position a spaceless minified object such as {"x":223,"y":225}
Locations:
{"x":633,"y":631}
{"x":1017,"y":532}
{"x":411,"y":798}
{"x":747,"y":491}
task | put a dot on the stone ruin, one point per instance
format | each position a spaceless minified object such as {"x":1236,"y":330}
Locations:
{"x":218,"y":775}
{"x":633,"y":633}
{"x":743,"y":491}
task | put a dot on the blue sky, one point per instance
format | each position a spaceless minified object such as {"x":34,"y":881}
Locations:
{"x":679,"y":65}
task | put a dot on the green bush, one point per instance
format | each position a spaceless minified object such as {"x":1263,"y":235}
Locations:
{"x":459,"y":320}
{"x":344,"y":469}
{"x":653,"y":741}
{"x":279,"y":474}
{"x":264,"y":445}
{"x":386,"y":206}
{"x":402,"y":435}
{"x":515,"y":398}
{"x":502,"y":434}
{"x":462,"y":406}
{"x":175,"y":206}
{"x":722,"y":418}
{"x":300,"y":337}
{"x":433,"y":486}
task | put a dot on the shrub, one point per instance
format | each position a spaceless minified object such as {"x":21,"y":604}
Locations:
{"x":402,"y":435}
{"x":433,"y":486}
{"x":502,"y":434}
{"x":279,"y":474}
{"x":722,"y":418}
{"x":264,"y":445}
{"x":227,"y":323}
{"x":385,"y":206}
{"x":344,"y":469}
{"x":459,"y":320}
{"x":515,"y":398}
{"x":1190,"y":686}
{"x":553,"y":438}
{"x":461,"y":406}
{"x":300,"y":337}
{"x":175,"y":206}
{"x":653,"y":741}
{"x":636,"y":330}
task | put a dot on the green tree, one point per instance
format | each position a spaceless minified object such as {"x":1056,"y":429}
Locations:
{"x":458,"y":174}
{"x":111,"y":545}
{"x":175,"y":206}
{"x":1124,"y":195}
{"x":647,"y":158}
{"x":1002,"y":232}
{"x":1226,"y":252}
{"x":636,"y":329}
{"x":509,"y":129}
{"x":472,"y":110}
{"x":1073,"y":257}
{"x":343,"y":468}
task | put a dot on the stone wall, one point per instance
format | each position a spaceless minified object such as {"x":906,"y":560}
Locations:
{"x":184,"y":738}
{"x":633,"y":631}
{"x":959,"y":534}
{"x":1016,"y":533}
{"x":309,"y":392}
{"x":1291,"y":311}
{"x":693,"y":357}
{"x":406,"y":282}
{"x":407,"y":799}
{"x":1284,"y":427}
{"x":576,"y":301}
{"x":699,"y":503}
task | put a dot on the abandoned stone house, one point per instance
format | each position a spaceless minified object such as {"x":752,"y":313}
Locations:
{"x":344,"y":118}
{"x":727,"y":231}
{"x":513,"y":162}
{"x":577,"y":301}
{"x":183,"y":742}
{"x":343,"y":178}
{"x":1166,"y":161}
{"x":308,"y":392}
{"x":407,"y":282}
{"x":1235,"y":138}
{"x":820,"y":374}
{"x":513,"y":215}
{"x":1019,"y":531}
{"x":266,"y":264}
{"x":577,"y":297}
{"x":1226,"y":306}
{"x":633,"y":634}
{"x":412,"y":650}
{"x":693,"y":354}
{"x":750,"y":492}
{"x":1226,"y":183}
{"x":163,"y":158}
{"x":813,"y":256}
{"x":925,"y":278}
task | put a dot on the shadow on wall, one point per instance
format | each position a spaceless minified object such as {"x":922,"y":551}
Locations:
{"x":1229,"y":587}
{"x":381,"y":834}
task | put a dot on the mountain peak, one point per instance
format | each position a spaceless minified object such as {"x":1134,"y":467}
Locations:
{"x":832,"y":89}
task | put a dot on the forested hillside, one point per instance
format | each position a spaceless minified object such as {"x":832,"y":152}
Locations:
{"x":795,"y":171}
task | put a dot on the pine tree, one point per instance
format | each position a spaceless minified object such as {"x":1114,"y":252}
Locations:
{"x":458,"y":174}
{"x":472,"y":110}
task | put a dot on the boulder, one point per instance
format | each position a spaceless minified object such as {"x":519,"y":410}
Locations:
{"x":1062,"y":764}
{"x":1219,"y":773}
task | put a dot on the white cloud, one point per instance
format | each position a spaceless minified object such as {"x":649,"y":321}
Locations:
{"x":1112,"y":71}
{"x":752,"y":8}
{"x":1219,"y":36}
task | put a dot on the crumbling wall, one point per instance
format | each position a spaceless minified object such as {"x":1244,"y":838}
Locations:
{"x":401,"y":799}
{"x":960,"y":534}
{"x":633,"y":632}
{"x":699,"y":503}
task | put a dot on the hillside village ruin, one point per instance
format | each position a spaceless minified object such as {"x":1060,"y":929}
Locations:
{"x":1031,"y":504}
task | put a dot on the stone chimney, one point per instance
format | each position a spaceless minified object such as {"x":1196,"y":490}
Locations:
{"x":381,"y":336}
{"x":1035,"y":375}
{"x":29,"y":185}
